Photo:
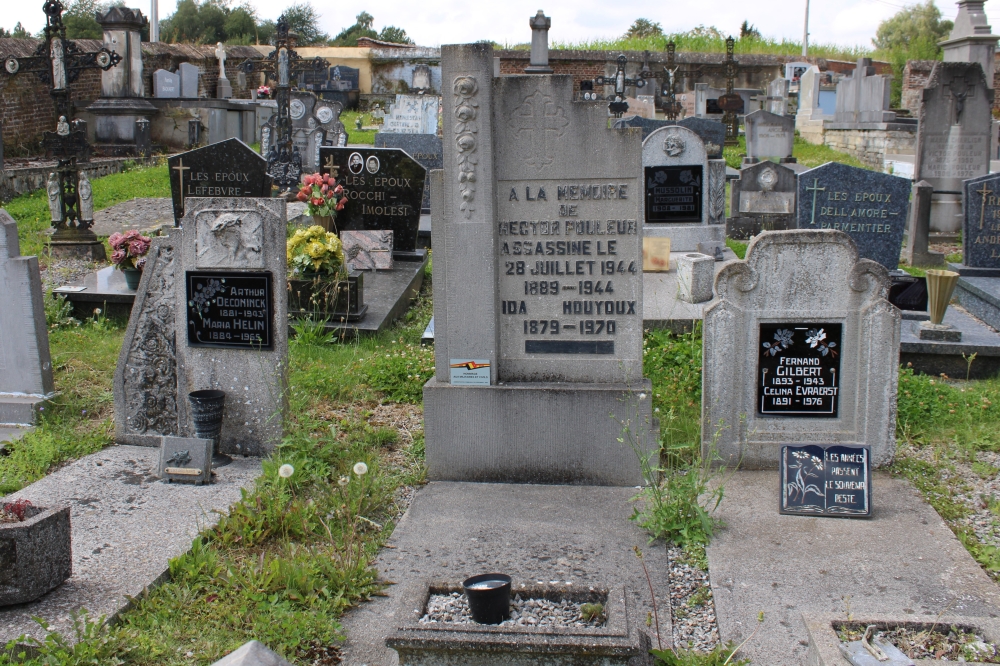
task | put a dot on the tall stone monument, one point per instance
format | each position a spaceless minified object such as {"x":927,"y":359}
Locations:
{"x":801,"y":346}
{"x":971,"y":40}
{"x":538,"y":270}
{"x":25,"y":364}
{"x":211,"y":312}
{"x":953,"y":137}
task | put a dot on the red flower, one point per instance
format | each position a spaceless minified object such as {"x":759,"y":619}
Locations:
{"x":324,"y":189}
{"x":317,"y":202}
{"x":339,"y":189}
{"x":341,"y":204}
{"x":302,"y":196}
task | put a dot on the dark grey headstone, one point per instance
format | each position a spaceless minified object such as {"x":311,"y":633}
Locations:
{"x":189,"y":80}
{"x":762,"y":199}
{"x":349,"y":75}
{"x":424,"y":148}
{"x":981,"y":221}
{"x":229,"y":168}
{"x":712,"y":132}
{"x":143,"y":137}
{"x":385,"y":187}
{"x":870,"y":207}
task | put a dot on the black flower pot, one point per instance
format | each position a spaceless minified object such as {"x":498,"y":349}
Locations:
{"x":207,"y":410}
{"x":489,"y":597}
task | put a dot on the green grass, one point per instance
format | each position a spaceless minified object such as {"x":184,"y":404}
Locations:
{"x":355,"y":135}
{"x":806,"y":153}
{"x":31,"y":211}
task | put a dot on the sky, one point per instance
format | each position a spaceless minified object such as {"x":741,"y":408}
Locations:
{"x":436,"y":22}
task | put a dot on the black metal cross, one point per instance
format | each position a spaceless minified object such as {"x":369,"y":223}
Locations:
{"x":58,"y":63}
{"x":618,"y":105}
{"x":284,"y":164}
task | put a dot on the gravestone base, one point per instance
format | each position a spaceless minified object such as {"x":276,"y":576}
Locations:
{"x":981,"y":297}
{"x":225,"y":89}
{"x":686,"y":237}
{"x":927,"y":259}
{"x":930,"y":357}
{"x":20,"y":410}
{"x":974,"y":271}
{"x":946,"y":213}
{"x":938,"y":332}
{"x":535,"y":432}
{"x":90,"y":250}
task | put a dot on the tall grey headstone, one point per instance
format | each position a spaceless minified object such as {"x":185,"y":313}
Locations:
{"x":166,"y":84}
{"x":189,"y":80}
{"x":971,"y":40}
{"x":777,"y":97}
{"x":210,"y":313}
{"x":25,"y":363}
{"x":679,"y":200}
{"x":531,"y":230}
{"x":761,"y":199}
{"x":800,"y":346}
{"x":871,"y":207}
{"x":315,"y":123}
{"x":769,"y":135}
{"x":863,"y":97}
{"x":953,"y":137}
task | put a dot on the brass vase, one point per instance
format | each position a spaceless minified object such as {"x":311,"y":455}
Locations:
{"x":325,"y":221}
{"x":940,"y":287}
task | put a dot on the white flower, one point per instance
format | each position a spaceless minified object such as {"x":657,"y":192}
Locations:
{"x":342,"y":481}
{"x":286,"y":471}
{"x":642,"y":396}
{"x":360,"y":469}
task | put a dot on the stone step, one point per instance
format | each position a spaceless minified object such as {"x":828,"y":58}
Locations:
{"x":19,"y":409}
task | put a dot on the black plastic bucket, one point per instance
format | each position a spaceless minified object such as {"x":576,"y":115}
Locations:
{"x":207,"y":409}
{"x":489,"y":597}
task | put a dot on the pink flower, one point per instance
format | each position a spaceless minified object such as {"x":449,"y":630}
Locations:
{"x":132,"y":234}
{"x":118,"y":256}
{"x":140,"y":263}
{"x":302,"y":196}
{"x":116,"y":240}
{"x":339,"y":189}
{"x":137,"y":248}
{"x":341,"y":204}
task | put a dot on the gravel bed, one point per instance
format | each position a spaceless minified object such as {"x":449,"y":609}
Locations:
{"x":692,"y":607}
{"x":58,"y":272}
{"x":454,"y":608}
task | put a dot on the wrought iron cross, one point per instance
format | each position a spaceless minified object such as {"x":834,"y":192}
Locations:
{"x":58,"y":63}
{"x":618,"y":105}
{"x":284,"y":164}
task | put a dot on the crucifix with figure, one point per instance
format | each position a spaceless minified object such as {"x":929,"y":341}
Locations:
{"x":58,"y":62}
{"x":284,"y":164}
{"x":959,"y":90}
{"x":618,"y":105}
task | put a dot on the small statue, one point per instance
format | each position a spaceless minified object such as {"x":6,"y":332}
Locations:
{"x":220,"y":53}
{"x":86,"y":194}
{"x":54,"y":190}
{"x":62,"y":127}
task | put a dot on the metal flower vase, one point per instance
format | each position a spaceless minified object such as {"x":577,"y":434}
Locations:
{"x":940,"y":287}
{"x":207,"y":411}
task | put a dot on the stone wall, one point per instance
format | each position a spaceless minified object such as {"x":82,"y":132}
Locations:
{"x":169,"y":56}
{"x":14,"y":182}
{"x":871,"y":146}
{"x":915,"y":76}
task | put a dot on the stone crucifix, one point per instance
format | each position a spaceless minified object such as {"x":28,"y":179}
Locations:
{"x":220,"y":53}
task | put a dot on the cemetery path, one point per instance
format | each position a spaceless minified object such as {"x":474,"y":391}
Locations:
{"x":903,"y":561}
{"x":531,"y":532}
{"x":138,"y":214}
{"x":126,"y":526}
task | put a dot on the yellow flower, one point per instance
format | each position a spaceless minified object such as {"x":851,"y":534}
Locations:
{"x":315,"y":250}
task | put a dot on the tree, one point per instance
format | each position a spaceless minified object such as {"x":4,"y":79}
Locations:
{"x":303,"y":20}
{"x":748,"y":31}
{"x":643,"y":29}
{"x":20,"y":32}
{"x":80,"y":20}
{"x":912,"y":33}
{"x":391,"y":33}
{"x":361,"y":28}
{"x":241,"y":26}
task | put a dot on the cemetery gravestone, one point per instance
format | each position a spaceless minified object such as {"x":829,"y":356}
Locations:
{"x":189,"y":80}
{"x":769,"y":135}
{"x":540,"y":264}
{"x":25,"y":364}
{"x":800,"y":347}
{"x":211,"y":312}
{"x":166,"y":85}
{"x":711,"y":132}
{"x":953,"y":138}
{"x":384,"y":187}
{"x":186,"y":460}
{"x":777,"y":97}
{"x":870,"y":207}
{"x":826,"y":481}
{"x":981,"y":231}
{"x":412,"y":114}
{"x":684,"y":191}
{"x":229,"y":168}
{"x":424,"y":148}
{"x":315,"y":123}
{"x":762,"y":199}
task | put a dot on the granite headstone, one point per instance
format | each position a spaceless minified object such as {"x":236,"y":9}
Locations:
{"x":384,"y":187}
{"x":761,"y":199}
{"x":315,"y":123}
{"x":25,"y":362}
{"x":981,"y":232}
{"x":229,"y":168}
{"x":166,"y":85}
{"x":712,"y":132}
{"x":801,"y":346}
{"x":424,"y":148}
{"x":871,"y":207}
{"x":769,"y":135}
{"x":189,"y":80}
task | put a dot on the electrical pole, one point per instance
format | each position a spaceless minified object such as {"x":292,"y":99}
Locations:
{"x":805,"y":33}
{"x":154,"y":20}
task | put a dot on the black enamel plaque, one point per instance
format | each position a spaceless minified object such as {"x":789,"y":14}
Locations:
{"x":798,"y":373}
{"x":230,"y":310}
{"x":833,"y":480}
{"x":673,"y":193}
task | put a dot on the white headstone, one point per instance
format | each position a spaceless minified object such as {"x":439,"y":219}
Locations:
{"x":25,"y":364}
{"x":769,"y":135}
{"x":800,"y":346}
{"x":166,"y":84}
{"x":412,"y":114}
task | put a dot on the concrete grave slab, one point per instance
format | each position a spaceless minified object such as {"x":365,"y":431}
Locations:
{"x":534,"y":533}
{"x":25,"y":362}
{"x":902,"y":561}
{"x":953,"y":358}
{"x":126,"y":525}
{"x":253,"y":653}
{"x":981,"y":297}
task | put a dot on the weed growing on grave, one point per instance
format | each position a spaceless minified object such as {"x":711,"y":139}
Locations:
{"x":722,"y":655}
{"x":59,"y":312}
